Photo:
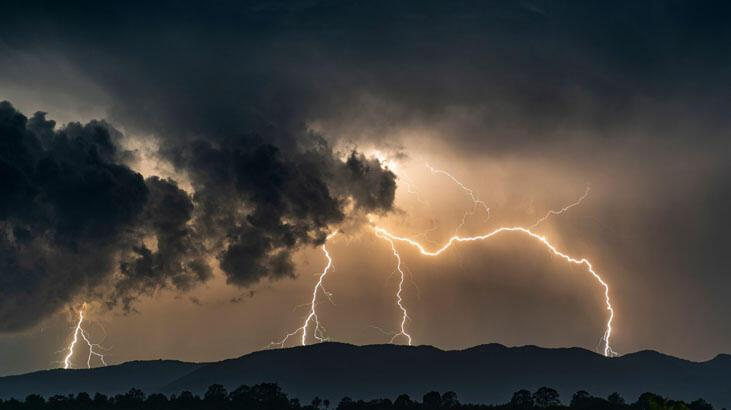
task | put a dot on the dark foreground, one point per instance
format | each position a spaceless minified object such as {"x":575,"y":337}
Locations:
{"x":269,"y":396}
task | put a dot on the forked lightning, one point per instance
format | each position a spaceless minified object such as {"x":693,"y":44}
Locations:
{"x":319,"y":331}
{"x":313,"y":321}
{"x":399,"y":298}
{"x":79,"y":332}
{"x":542,"y":239}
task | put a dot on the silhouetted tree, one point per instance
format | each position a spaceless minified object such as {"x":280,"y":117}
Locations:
{"x":216,"y":396}
{"x":522,"y":399}
{"x":34,"y":402}
{"x":156,"y":401}
{"x":580,"y":400}
{"x":269,"y":396}
{"x":185,"y":401}
{"x":83,"y":399}
{"x":101,"y":401}
{"x":12,"y":404}
{"x":432,"y":400}
{"x":546,"y":397}
{"x":404,"y":402}
{"x":650,"y":401}
{"x":346,"y":403}
{"x":378,"y":404}
{"x":616,"y":400}
{"x":449,"y":400}
{"x":58,"y":402}
{"x":239,"y":397}
{"x":700,"y":404}
{"x":676,"y":405}
{"x":131,"y":400}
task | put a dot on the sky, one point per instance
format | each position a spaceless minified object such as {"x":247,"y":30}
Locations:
{"x":178,"y":168}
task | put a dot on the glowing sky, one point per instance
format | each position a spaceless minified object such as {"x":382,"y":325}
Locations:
{"x":331,"y":104}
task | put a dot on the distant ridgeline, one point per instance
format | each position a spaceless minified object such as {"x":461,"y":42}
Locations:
{"x":486,"y":374}
{"x":269,"y":396}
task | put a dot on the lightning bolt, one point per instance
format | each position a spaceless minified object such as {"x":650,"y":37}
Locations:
{"x":319,"y":331}
{"x":410,"y":188}
{"x":476,"y":201}
{"x":79,"y":332}
{"x":562,"y":210}
{"x":541,"y":239}
{"x":399,"y":298}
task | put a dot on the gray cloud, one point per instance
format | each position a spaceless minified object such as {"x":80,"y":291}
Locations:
{"x":67,"y":197}
{"x":68,"y":210}
{"x":628,"y":95}
{"x":511,"y":76}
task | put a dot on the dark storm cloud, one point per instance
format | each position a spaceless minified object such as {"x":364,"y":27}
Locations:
{"x":263,"y":184}
{"x":229,"y":89}
{"x":177,"y":259}
{"x":69,"y":210}
{"x":291,"y":198}
{"x":230,"y":107}
{"x":514,"y":74}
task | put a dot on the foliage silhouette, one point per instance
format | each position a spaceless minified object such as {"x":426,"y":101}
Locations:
{"x":269,"y":396}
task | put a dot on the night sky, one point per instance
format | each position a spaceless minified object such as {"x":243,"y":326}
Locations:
{"x":177,"y":167}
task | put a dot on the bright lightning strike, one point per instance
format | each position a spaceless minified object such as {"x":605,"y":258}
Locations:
{"x":319,"y":331}
{"x":412,"y":190}
{"x":79,"y":332}
{"x":382,"y":233}
{"x":399,"y":298}
{"x":562,"y":210}
{"x":476,"y":202}
{"x":583,"y":261}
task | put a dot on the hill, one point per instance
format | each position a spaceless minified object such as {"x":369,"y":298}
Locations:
{"x":482,"y":374}
{"x":147,"y":375}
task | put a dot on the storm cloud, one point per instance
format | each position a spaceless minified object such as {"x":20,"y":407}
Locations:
{"x":266,"y":110}
{"x":516,"y":75}
{"x":291,"y":197}
{"x":67,"y":207}
{"x":76,"y":222}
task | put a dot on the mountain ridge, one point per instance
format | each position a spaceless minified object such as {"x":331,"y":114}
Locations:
{"x":487,"y":373}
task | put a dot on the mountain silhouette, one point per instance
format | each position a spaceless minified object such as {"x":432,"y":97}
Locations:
{"x":482,"y":374}
{"x":147,"y":375}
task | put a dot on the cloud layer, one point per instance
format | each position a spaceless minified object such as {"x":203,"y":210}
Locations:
{"x":252,"y":103}
{"x":77,"y":223}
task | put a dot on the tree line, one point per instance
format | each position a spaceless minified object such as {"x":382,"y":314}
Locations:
{"x":270,"y":396}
